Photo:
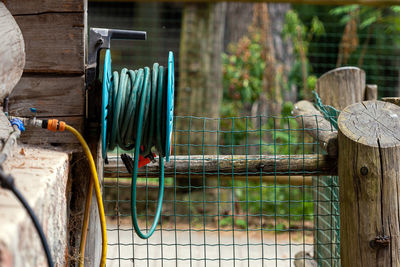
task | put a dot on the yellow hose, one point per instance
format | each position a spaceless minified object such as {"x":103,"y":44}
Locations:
{"x":94,"y":181}
{"x":85,"y":224}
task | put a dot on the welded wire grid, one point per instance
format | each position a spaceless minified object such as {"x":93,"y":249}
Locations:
{"x":222,"y":214}
{"x":373,"y":47}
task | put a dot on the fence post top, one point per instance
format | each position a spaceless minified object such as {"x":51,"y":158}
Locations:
{"x":371,"y":123}
{"x":341,"y":69}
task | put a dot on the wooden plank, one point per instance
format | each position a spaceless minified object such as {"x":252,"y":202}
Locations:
{"x":42,"y":6}
{"x":369,"y":152}
{"x":50,"y":95}
{"x":241,"y":165}
{"x":12,"y":52}
{"x":54,"y":42}
{"x":39,"y":136}
{"x":311,"y":2}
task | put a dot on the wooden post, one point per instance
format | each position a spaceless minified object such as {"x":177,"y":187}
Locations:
{"x":338,"y":88}
{"x":341,"y":87}
{"x":369,"y":156}
{"x":371,"y":92}
{"x":12,"y":52}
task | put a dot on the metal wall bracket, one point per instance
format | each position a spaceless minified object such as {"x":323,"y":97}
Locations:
{"x":100,"y":38}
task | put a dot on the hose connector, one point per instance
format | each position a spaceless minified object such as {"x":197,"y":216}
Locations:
{"x":18,"y":123}
{"x":53,"y":125}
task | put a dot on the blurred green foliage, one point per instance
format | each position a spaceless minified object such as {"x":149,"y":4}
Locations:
{"x":301,"y":36}
{"x":378,"y":31}
{"x":243,"y":70}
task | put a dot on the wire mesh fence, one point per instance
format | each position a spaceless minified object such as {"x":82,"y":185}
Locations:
{"x":245,"y":191}
{"x":365,"y":37}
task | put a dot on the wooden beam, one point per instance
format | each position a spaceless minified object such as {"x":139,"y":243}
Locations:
{"x":51,"y":95}
{"x":32,"y":7}
{"x":12,"y":52}
{"x":237,"y":165}
{"x":314,"y":123}
{"x":310,"y":2}
{"x":43,"y":137}
{"x":54,"y":42}
{"x":369,"y":153}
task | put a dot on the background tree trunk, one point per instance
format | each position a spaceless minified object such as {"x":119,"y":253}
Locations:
{"x":237,"y":12}
{"x":200,"y":77}
{"x":283,"y":49}
{"x":200,"y":82}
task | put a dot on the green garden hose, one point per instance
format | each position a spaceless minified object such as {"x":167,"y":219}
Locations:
{"x":137,"y":113}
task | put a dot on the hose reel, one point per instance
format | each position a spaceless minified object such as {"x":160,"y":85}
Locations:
{"x":137,"y":113}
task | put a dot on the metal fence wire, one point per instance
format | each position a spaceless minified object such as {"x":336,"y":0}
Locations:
{"x":245,"y":191}
{"x":373,"y":46}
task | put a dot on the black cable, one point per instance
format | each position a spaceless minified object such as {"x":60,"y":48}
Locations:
{"x":7,"y":182}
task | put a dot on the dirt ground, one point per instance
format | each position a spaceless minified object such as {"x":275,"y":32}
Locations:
{"x":196,"y":247}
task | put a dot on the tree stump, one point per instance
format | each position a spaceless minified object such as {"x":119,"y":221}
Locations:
{"x":369,"y":171}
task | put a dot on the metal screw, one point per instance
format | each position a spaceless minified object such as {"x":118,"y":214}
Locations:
{"x":364,"y":170}
{"x":381,"y":241}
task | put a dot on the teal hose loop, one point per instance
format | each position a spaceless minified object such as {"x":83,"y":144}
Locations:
{"x":137,"y":112}
{"x":159,"y":106}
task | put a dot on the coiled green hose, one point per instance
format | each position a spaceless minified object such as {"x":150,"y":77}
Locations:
{"x":138,"y":101}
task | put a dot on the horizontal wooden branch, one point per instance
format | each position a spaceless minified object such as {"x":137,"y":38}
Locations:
{"x":238,"y":166}
{"x":317,"y":126}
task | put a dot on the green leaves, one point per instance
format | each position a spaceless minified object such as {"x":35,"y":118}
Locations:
{"x":243,"y":71}
{"x":301,"y":36}
{"x":317,"y":27}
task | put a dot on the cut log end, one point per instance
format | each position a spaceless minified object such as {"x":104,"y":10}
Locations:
{"x":372,"y":123}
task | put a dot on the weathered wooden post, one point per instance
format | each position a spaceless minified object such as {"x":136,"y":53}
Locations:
{"x":338,"y":88}
{"x":369,"y":171}
{"x":12,"y":52}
